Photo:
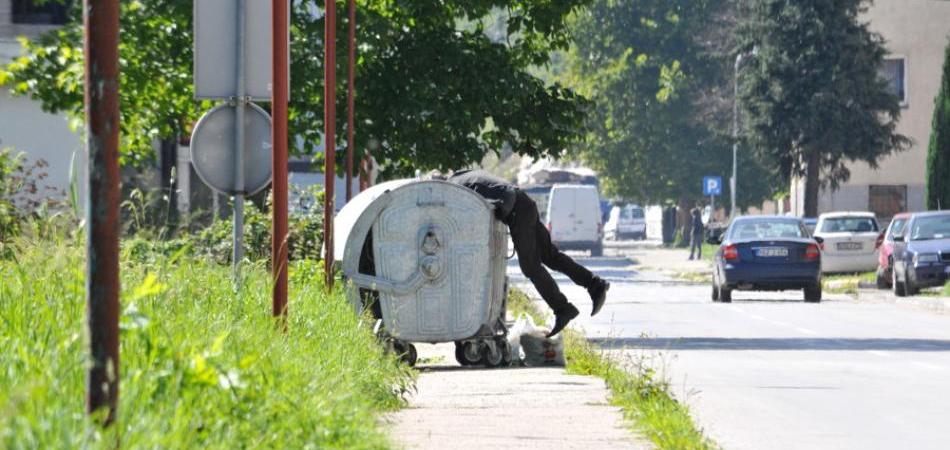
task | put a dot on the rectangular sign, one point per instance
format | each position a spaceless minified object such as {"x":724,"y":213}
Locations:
{"x":712,"y":186}
{"x":216,"y":42}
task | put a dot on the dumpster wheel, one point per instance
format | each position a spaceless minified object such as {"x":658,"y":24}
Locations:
{"x":468,"y":353}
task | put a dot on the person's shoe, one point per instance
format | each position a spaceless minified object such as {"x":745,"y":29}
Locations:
{"x":561,"y":319}
{"x":598,"y":294}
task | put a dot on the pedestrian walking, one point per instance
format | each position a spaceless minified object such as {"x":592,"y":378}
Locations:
{"x":534,"y":247}
{"x":696,"y":235}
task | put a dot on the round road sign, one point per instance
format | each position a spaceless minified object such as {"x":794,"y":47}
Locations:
{"x":213,"y":151}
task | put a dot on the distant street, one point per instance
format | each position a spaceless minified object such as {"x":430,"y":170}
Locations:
{"x":770,"y":372}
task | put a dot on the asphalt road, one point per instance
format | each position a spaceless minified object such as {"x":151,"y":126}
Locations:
{"x":771,"y":372}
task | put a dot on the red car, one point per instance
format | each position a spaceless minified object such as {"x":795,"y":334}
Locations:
{"x":885,"y":259}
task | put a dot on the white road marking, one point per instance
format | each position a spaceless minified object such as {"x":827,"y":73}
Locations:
{"x":929,"y":366}
{"x":806,"y":331}
{"x":879,"y":353}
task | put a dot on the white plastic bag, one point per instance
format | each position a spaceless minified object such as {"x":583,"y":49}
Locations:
{"x":539,"y":350}
{"x":524,"y":324}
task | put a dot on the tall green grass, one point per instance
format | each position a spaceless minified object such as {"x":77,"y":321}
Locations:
{"x":202,"y":365}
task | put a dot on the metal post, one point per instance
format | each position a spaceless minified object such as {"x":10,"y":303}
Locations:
{"x":239,"y":106}
{"x":735,"y":137}
{"x":101,"y":21}
{"x":329,"y":132}
{"x":281,"y":81}
{"x":350,"y":93}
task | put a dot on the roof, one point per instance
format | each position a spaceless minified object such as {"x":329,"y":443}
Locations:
{"x":932,"y":213}
{"x":766,"y":217}
{"x":846,"y":214}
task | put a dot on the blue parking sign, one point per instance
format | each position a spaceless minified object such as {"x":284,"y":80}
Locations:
{"x":712,"y":186}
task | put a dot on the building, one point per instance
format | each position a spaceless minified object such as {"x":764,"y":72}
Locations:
{"x":917,"y":34}
{"x":24,"y":126}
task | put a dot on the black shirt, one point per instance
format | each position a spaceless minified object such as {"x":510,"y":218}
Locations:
{"x":498,"y":192}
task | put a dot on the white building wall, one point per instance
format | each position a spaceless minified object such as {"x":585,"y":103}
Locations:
{"x":26,"y":128}
{"x":916,"y":30}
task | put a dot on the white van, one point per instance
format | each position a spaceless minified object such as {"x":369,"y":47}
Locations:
{"x":626,"y":222}
{"x":574,"y":218}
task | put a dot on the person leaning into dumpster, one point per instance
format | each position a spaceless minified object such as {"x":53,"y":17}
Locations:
{"x":534,"y":247}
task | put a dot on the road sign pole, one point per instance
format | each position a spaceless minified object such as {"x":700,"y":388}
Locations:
{"x":240,"y":104}
{"x":101,"y":21}
{"x":350,"y":93}
{"x":712,"y":207}
{"x":329,"y":145}
{"x":280,"y":62}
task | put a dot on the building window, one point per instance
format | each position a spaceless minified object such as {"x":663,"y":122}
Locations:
{"x":894,"y":72}
{"x":39,"y":12}
{"x":885,"y":201}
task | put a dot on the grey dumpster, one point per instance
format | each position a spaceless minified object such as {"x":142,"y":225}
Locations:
{"x":434,"y":257}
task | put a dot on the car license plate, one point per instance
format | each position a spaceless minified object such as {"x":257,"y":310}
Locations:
{"x":772,"y":252}
{"x":849,"y":246}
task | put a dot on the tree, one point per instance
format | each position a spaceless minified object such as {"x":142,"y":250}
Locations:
{"x":653,"y":134}
{"x":813,"y":98}
{"x":431,"y":94}
{"x":938,"y":153}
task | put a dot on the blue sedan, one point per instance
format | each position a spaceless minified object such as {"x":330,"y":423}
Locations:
{"x":767,"y":253}
{"x":922,"y":254}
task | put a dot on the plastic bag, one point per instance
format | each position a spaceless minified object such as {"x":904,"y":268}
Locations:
{"x":524,"y":324}
{"x":539,"y":350}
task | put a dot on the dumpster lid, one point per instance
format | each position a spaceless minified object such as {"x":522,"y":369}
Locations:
{"x":351,"y":212}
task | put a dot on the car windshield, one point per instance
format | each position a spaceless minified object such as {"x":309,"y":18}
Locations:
{"x":632,"y":213}
{"x":896,"y":228}
{"x":849,"y":225}
{"x":933,"y":227}
{"x":766,"y":229}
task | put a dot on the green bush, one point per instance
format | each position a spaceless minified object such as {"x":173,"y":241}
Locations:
{"x":202,"y":366}
{"x":938,"y":152}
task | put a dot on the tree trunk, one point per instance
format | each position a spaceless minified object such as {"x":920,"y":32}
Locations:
{"x":812,"y":184}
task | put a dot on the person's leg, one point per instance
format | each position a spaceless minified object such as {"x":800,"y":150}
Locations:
{"x":522,"y":236}
{"x":554,"y":258}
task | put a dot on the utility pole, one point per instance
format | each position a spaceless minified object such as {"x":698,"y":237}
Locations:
{"x":101,"y":22}
{"x":329,"y":132}
{"x":281,"y":87}
{"x":733,"y":181}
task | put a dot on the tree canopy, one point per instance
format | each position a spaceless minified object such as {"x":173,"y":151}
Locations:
{"x":649,"y":73}
{"x":813,"y":96}
{"x":434,"y":90}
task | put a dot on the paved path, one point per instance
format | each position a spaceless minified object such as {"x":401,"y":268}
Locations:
{"x":771,"y":372}
{"x":517,"y":408}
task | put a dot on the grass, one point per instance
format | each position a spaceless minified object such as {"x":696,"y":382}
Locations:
{"x":519,"y":303}
{"x":202,"y":366}
{"x":646,"y":402}
{"x":641,"y":393}
{"x":946,"y":290}
{"x":846,"y":283}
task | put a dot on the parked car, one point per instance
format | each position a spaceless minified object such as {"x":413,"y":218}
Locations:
{"x":850,"y":241}
{"x":886,"y":250}
{"x":626,"y":222}
{"x":921,"y":256}
{"x":574,"y":219}
{"x":766,"y":253}
{"x":810,"y":224}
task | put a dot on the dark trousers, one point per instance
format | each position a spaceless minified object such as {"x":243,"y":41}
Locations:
{"x":533,"y":244}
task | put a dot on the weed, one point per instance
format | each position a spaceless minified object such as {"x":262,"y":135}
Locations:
{"x":202,"y":366}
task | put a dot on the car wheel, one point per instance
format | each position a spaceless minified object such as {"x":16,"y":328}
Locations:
{"x":813,"y":293}
{"x":910,"y":288}
{"x":715,"y":292}
{"x":725,"y":294}
{"x":896,"y":284}
{"x":882,"y":280}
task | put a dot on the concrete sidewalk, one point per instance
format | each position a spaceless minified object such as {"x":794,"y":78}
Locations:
{"x":514,"y":408}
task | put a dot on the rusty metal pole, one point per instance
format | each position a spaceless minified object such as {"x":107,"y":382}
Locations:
{"x":329,"y":132}
{"x":101,"y":22}
{"x":350,"y":94}
{"x":281,"y":93}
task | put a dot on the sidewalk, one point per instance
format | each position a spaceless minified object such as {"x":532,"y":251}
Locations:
{"x":514,"y":408}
